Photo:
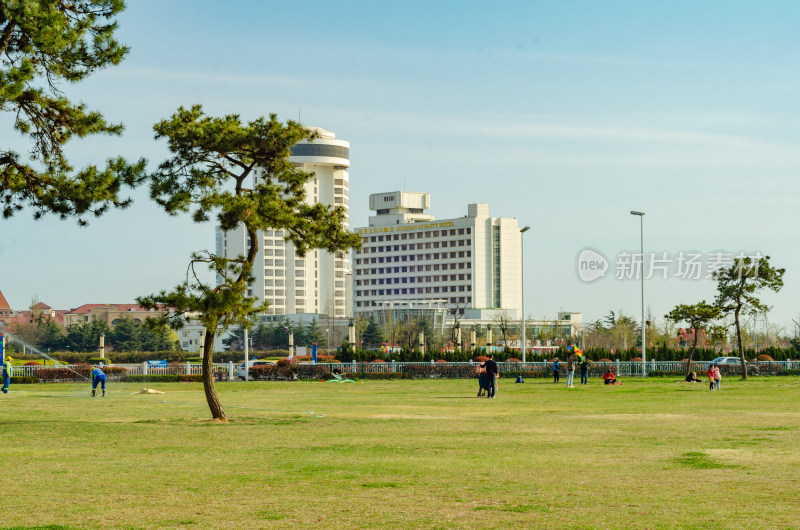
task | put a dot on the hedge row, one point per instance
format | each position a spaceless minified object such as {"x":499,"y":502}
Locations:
{"x":283,"y":370}
{"x":24,"y":379}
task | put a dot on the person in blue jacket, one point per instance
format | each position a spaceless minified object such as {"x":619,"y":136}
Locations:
{"x":98,"y":377}
{"x":6,"y":374}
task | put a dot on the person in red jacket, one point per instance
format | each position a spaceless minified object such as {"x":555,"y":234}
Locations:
{"x":608,"y":377}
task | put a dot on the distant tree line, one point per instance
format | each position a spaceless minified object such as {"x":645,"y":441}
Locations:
{"x":127,"y":335}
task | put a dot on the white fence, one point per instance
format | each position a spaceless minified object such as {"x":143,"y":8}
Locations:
{"x":454,"y":370}
{"x":142,"y":369}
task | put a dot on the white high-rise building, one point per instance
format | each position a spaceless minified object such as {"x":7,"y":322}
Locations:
{"x":470,"y":262}
{"x":315,"y":283}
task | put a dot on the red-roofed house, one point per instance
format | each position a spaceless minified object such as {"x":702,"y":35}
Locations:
{"x":110,"y":313}
{"x":5,"y":309}
{"x":7,"y":314}
{"x":11,"y":318}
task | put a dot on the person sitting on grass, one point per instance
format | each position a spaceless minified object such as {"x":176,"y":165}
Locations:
{"x":98,"y":377}
{"x":608,"y":377}
{"x":692,"y":378}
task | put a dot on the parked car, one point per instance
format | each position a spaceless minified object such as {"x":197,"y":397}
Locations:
{"x":725,"y":360}
{"x":240,"y":371}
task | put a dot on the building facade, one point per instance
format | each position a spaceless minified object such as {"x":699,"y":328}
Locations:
{"x":316,"y":282}
{"x":460,"y":264}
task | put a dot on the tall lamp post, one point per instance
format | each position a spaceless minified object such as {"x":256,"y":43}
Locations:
{"x":641,"y":272}
{"x":522,"y":284}
{"x":245,"y":251}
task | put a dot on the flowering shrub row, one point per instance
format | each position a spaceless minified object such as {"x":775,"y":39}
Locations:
{"x":375,"y":375}
{"x":283,"y":370}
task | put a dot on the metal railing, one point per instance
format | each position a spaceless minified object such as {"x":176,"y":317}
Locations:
{"x":138,"y":369}
{"x":464,"y":370}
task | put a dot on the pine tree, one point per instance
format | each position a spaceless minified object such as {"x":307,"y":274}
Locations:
{"x":51,"y":42}
{"x":737,"y":287}
{"x":372,"y":335}
{"x":212,"y":165}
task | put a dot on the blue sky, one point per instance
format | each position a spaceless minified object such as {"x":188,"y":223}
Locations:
{"x":566,"y":115}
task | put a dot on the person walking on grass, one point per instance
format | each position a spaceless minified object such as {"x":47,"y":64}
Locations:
{"x":491,"y":373}
{"x":583,"y":362}
{"x":98,"y":377}
{"x":711,"y":373}
{"x":6,"y":374}
{"x":556,"y":368}
{"x":717,"y":376}
{"x":571,"y":364}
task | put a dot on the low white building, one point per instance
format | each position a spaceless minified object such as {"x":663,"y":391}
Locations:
{"x":470,"y":262}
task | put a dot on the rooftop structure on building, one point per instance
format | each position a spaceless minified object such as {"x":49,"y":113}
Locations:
{"x":5,"y":309}
{"x":109,"y":313}
{"x":316,"y":282}
{"x":461,"y":264}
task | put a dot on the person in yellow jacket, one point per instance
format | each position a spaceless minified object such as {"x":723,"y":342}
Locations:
{"x":6,"y":374}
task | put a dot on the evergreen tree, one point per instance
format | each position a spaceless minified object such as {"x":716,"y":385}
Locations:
{"x":372,"y":335}
{"x":127,"y":335}
{"x":737,"y":287}
{"x":698,"y":316}
{"x":86,"y":337}
{"x":261,"y":336}
{"x":48,"y":42}
{"x":315,"y":334}
{"x":209,"y":173}
{"x":159,"y":338}
{"x":235,"y":340}
{"x":280,"y":335}
{"x":52,"y":336}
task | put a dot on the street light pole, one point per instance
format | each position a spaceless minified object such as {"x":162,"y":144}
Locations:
{"x":522,"y":284}
{"x":245,"y":251}
{"x":641,"y":272}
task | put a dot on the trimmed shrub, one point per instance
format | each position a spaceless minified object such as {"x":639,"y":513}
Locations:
{"x":765,"y":357}
{"x":376,"y":375}
{"x":98,"y":360}
{"x":283,"y":370}
{"x":32,"y":363}
{"x":24,"y":379}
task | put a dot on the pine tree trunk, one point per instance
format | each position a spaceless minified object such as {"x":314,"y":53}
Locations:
{"x":217,"y":412}
{"x":739,"y":343}
{"x":691,"y":354}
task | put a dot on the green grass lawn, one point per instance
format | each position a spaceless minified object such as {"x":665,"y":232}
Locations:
{"x":423,"y":454}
